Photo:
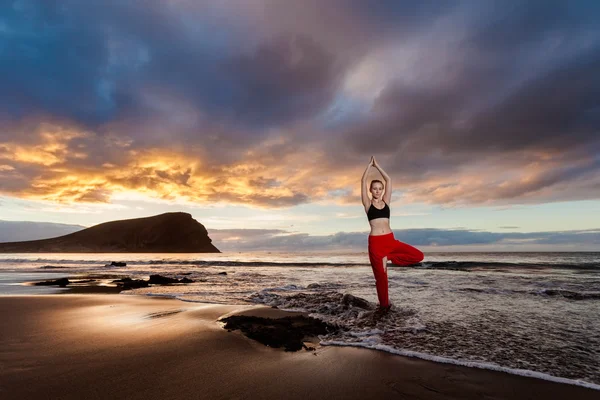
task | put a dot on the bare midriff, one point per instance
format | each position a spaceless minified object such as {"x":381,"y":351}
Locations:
{"x":380,"y":226}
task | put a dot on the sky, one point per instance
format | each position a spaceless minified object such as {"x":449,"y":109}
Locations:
{"x":258,"y":117}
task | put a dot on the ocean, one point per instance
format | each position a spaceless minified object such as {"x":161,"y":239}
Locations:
{"x":532,"y":314}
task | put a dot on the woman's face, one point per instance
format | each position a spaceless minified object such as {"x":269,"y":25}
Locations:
{"x":377,"y":190}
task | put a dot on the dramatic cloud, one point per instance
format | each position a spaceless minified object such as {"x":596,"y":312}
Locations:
{"x":276,"y":104}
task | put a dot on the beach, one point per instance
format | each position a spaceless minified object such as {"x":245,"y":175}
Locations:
{"x":100,"y":345}
{"x":263,"y":199}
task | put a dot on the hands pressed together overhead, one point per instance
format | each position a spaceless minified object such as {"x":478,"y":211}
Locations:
{"x":373,"y":162}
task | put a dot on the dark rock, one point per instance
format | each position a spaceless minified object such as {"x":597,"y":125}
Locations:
{"x":135,"y":284}
{"x":118,"y":264}
{"x":222,"y":273}
{"x":128,"y":283}
{"x":174,"y":232}
{"x":161,"y":280}
{"x":287,"y":332}
{"x":354,"y":301}
{"x":60,"y":282}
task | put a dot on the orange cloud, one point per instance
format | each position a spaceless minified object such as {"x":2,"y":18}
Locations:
{"x":53,"y":147}
{"x":57,"y":173}
{"x":62,"y":164}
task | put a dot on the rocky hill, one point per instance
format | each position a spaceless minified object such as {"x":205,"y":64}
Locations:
{"x":175,"y":232}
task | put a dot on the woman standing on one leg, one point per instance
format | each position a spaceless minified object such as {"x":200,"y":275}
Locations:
{"x":382,"y":244}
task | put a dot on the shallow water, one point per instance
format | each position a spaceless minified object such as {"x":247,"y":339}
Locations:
{"x":510,"y":311}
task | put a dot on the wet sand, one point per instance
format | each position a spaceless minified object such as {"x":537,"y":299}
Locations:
{"x":100,"y":346}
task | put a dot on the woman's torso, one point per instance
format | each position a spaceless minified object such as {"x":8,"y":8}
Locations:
{"x":379,"y":226}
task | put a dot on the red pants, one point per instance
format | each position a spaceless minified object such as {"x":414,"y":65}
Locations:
{"x":397,"y":252}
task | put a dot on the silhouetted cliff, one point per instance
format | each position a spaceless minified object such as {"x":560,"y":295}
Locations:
{"x":175,"y":232}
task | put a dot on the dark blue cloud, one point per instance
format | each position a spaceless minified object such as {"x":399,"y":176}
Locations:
{"x":92,"y":62}
{"x":507,"y":26}
{"x":403,"y":15}
{"x":50,"y":63}
{"x":523,"y":79}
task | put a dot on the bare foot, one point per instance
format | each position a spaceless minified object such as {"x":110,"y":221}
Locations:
{"x":381,"y":311}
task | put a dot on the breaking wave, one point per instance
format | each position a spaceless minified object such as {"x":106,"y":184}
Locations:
{"x":404,"y":331}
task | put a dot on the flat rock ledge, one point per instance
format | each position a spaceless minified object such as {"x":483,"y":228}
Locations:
{"x":287,"y":332}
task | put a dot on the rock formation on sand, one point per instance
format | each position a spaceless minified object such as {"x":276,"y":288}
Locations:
{"x":175,"y":232}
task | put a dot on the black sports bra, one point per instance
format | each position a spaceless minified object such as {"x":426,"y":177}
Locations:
{"x":375,"y":212}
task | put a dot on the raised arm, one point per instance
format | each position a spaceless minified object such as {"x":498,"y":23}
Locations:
{"x":387,"y":195}
{"x":363,"y":187}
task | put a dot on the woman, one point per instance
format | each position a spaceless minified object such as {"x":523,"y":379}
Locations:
{"x":382,"y":244}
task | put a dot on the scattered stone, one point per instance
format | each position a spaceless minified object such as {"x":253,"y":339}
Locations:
{"x":60,"y":282}
{"x":128,"y":283}
{"x":351,"y":300}
{"x":161,"y":280}
{"x":135,"y":283}
{"x":116,"y":264}
{"x":287,"y":332}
